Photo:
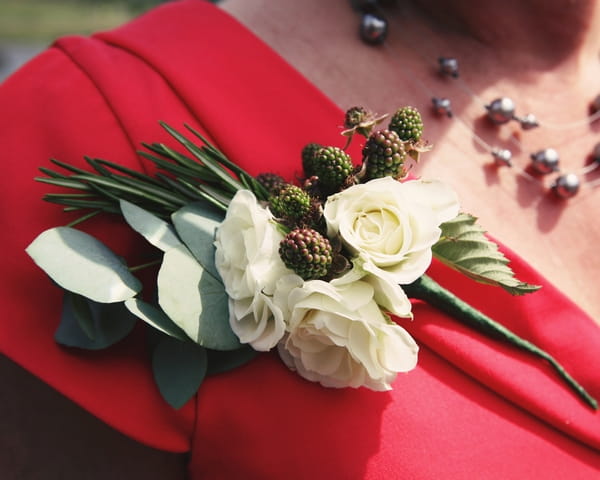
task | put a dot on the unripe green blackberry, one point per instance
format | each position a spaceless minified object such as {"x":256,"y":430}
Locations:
{"x":308,"y":158}
{"x":271,"y":181}
{"x":332,"y":166}
{"x":407,"y":123}
{"x":354,"y":117}
{"x":307,"y":253}
{"x":291,"y":202}
{"x":384,"y":155}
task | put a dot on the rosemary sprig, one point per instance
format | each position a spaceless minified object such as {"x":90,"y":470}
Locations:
{"x":206,"y":175}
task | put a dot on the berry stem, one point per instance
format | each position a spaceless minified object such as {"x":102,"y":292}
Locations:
{"x":427,"y":289}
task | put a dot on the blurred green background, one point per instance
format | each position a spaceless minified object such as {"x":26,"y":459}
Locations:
{"x":41,"y":21}
{"x":28,"y":26}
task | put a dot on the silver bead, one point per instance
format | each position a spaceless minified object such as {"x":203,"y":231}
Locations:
{"x":566,"y":186}
{"x":448,"y":66}
{"x":545,"y":161}
{"x":502,"y":156}
{"x":373,"y":29}
{"x":442,"y":106}
{"x":501,"y":110}
{"x":528,"y":122}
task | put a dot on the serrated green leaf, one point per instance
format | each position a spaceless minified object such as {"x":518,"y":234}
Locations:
{"x":196,"y":224}
{"x":158,"y":232}
{"x":83,"y":265}
{"x":464,"y":246}
{"x":179,"y":369}
{"x":195,"y":300}
{"x":105,"y":323}
{"x":155,"y":317}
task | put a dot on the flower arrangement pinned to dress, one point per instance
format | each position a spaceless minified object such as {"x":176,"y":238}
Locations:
{"x":322,"y":270}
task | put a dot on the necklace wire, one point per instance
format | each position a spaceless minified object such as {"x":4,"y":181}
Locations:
{"x":374,"y":27}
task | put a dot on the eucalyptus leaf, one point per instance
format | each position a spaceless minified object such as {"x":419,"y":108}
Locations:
{"x":195,"y":300}
{"x":179,"y":369}
{"x":158,"y":232}
{"x":196,"y":224}
{"x":465,"y":247}
{"x":219,"y":362}
{"x":154,"y":317}
{"x":105,"y":323}
{"x":82,"y":312}
{"x":81,"y":264}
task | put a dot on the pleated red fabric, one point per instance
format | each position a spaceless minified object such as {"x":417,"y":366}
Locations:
{"x":473,"y":408}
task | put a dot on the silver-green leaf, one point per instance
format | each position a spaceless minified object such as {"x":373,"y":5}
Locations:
{"x":82,"y":264}
{"x":196,"y":225}
{"x":155,"y":317}
{"x":158,"y":232}
{"x":464,"y":246}
{"x":90,"y":325}
{"x":195,"y":300}
{"x":179,"y":369}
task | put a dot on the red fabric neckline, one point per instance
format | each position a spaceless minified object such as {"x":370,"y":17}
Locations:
{"x":167,"y":66}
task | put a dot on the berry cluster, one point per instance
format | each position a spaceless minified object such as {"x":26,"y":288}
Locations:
{"x":307,"y":252}
{"x":384,"y":155}
{"x":327,"y":170}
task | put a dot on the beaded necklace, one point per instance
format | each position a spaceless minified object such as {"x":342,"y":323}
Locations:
{"x":373,"y":31}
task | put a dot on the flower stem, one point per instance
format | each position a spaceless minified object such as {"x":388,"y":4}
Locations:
{"x":427,"y":289}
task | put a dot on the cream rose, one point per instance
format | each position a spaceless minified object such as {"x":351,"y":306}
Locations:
{"x":247,"y":258}
{"x":390,"y":226}
{"x":339,"y":337}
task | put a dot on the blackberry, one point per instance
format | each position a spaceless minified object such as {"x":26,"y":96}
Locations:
{"x":354,"y":117}
{"x":407,"y":123}
{"x":308,"y":158}
{"x":271,"y":181}
{"x":307,"y":253}
{"x":332,"y":166}
{"x":384,"y":155}
{"x":291,"y":203}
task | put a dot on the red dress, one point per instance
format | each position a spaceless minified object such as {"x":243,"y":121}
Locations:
{"x":473,"y":408}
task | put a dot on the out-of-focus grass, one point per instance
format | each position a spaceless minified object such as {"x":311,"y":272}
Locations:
{"x":41,"y":21}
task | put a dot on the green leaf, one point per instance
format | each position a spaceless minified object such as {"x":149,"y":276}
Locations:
{"x":83,"y":265}
{"x":91,"y":325}
{"x":158,"y":232}
{"x":196,"y":225}
{"x":82,"y":312}
{"x":179,"y":369}
{"x":195,"y":300}
{"x":219,"y":362}
{"x":155,"y":317}
{"x":465,"y":247}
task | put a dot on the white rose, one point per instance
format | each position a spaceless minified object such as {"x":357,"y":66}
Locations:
{"x":339,"y":337}
{"x":390,"y":226}
{"x":247,"y":258}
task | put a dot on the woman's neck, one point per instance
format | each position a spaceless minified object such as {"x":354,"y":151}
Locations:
{"x":545,"y":32}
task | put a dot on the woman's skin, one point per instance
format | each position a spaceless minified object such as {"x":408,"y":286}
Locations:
{"x":542,"y":53}
{"x":545,"y":55}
